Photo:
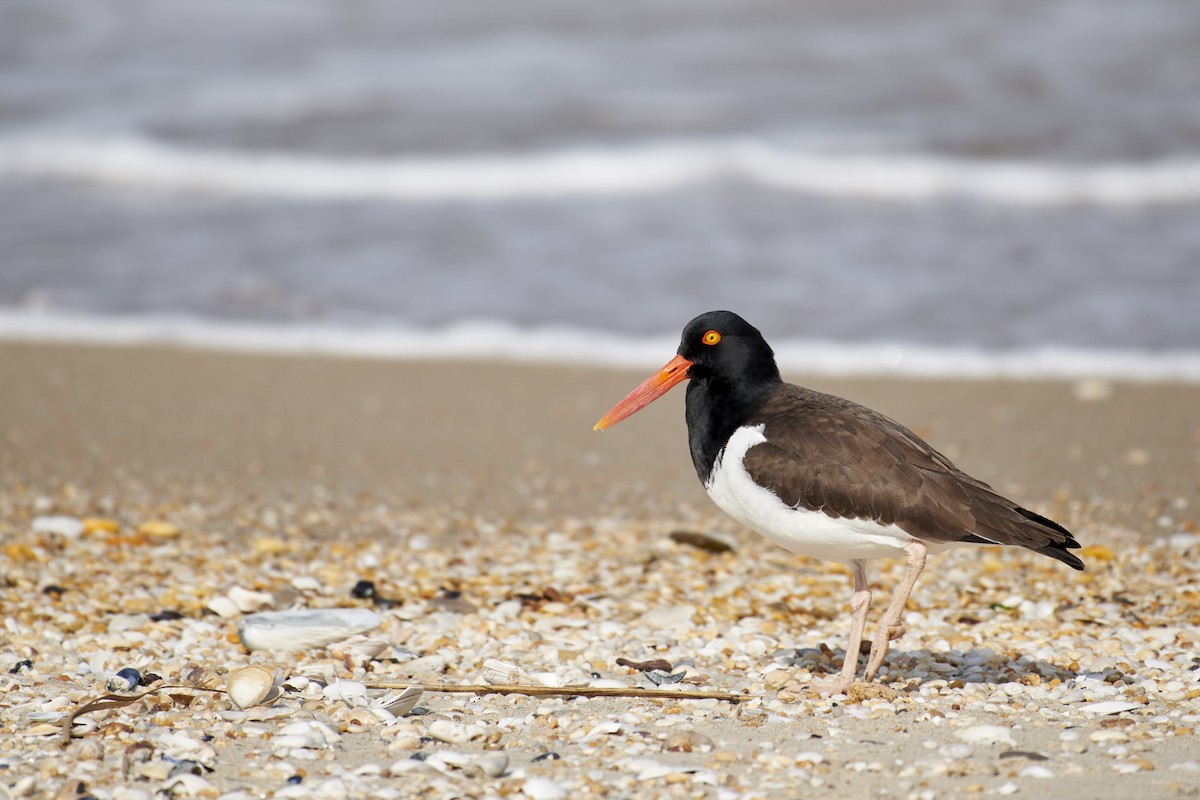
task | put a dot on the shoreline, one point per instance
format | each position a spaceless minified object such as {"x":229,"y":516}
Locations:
{"x":501,"y":439}
{"x":557,"y":345}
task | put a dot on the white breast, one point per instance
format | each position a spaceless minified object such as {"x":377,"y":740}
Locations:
{"x":799,"y":530}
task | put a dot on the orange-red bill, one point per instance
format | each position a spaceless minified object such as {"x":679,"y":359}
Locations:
{"x":654,"y":387}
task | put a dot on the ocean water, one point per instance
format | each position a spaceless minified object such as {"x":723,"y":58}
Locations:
{"x":943,"y":186}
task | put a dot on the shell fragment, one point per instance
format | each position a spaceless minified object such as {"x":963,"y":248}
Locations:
{"x":289,"y":631}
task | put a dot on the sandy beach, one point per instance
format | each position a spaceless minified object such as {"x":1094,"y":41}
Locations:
{"x":477,"y":499}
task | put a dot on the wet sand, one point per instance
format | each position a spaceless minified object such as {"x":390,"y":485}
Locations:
{"x":478,"y":498}
{"x":504,"y":440}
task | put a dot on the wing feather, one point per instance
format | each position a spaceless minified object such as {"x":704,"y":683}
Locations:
{"x":830,"y":454}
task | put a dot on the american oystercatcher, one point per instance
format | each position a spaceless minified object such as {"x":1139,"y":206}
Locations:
{"x":825,"y":477}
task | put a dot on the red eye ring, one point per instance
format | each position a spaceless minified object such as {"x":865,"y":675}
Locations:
{"x":711,"y":338}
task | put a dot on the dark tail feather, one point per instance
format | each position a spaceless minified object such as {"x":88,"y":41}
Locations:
{"x":1060,"y":550}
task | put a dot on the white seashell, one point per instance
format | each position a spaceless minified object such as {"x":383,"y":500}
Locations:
{"x":358,"y":648}
{"x":403,"y":703}
{"x":445,"y":730}
{"x":288,"y":631}
{"x":383,"y":715}
{"x":492,"y":765}
{"x":180,"y":745}
{"x":539,"y":788}
{"x":306,"y":583}
{"x":407,"y":765}
{"x":547,"y":679}
{"x":304,"y":734}
{"x":448,"y":758}
{"x":58,"y":703}
{"x":292,"y":741}
{"x":223,"y":607}
{"x":347,"y":691}
{"x":497,"y":672}
{"x":247,"y":600}
{"x":251,"y":686}
{"x":274,"y":712}
{"x":574,"y":676}
{"x":607,"y":728}
{"x":66,"y":527}
{"x":608,"y":683}
{"x":1109,"y":707}
{"x":188,"y":785}
{"x":655,"y":771}
{"x":987,"y":734}
{"x":297,"y":683}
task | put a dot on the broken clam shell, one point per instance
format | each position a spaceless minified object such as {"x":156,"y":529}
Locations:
{"x":403,"y":703}
{"x":497,"y":672}
{"x":287,"y":631}
{"x":358,"y":648}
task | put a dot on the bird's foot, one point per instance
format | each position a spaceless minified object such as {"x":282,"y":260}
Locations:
{"x":894,"y":632}
{"x":857,"y":691}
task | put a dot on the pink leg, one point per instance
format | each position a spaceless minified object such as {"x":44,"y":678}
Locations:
{"x":890,"y":627}
{"x":860,"y":603}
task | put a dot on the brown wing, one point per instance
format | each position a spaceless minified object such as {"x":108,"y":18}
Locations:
{"x":829,"y":454}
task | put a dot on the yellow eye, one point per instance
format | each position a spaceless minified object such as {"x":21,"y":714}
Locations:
{"x":712,"y":337}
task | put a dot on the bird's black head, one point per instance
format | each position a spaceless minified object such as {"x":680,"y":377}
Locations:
{"x":732,"y":374}
{"x":728,"y":352}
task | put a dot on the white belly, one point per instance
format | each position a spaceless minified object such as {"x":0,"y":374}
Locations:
{"x":799,"y":530}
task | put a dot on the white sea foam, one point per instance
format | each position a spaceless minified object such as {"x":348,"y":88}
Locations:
{"x":614,"y":171}
{"x":485,"y":340}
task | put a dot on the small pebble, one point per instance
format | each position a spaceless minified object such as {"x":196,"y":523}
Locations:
{"x":126,"y":680}
{"x":364,"y":590}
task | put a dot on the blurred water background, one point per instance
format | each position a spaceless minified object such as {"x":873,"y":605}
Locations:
{"x":863,"y":180}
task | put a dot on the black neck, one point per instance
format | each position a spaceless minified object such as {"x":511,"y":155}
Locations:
{"x":715,"y":408}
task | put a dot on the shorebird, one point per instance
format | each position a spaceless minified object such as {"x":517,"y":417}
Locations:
{"x":825,"y":477}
